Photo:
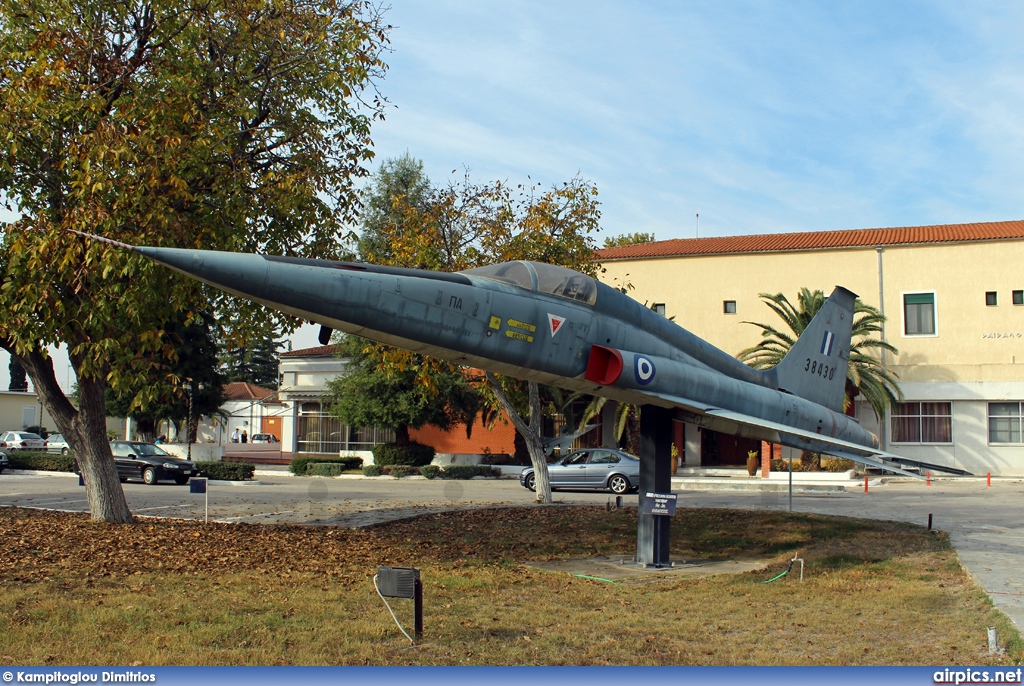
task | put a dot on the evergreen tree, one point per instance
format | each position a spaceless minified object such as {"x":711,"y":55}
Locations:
{"x":256,"y":363}
{"x":194,"y":362}
{"x":19,"y":381}
{"x":398,"y":187}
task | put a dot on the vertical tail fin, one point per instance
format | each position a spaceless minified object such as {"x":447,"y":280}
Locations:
{"x":815,"y":367}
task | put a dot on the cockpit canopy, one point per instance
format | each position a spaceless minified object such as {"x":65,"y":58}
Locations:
{"x":542,"y":278}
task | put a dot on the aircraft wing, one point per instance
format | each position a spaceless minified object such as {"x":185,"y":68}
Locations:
{"x":852,"y":451}
{"x":799,"y":438}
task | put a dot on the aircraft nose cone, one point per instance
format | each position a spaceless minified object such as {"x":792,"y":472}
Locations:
{"x":239,"y":273}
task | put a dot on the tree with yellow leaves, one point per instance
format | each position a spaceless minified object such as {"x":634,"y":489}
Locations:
{"x":221,"y":125}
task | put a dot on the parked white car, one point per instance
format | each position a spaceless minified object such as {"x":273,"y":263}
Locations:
{"x":22,"y":440}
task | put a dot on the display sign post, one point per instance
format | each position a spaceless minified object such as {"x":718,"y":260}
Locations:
{"x":199,"y":486}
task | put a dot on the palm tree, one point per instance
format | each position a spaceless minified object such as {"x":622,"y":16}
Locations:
{"x":627,"y":421}
{"x":865,"y":374}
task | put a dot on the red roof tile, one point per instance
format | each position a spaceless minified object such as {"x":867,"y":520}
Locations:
{"x":243,"y":390}
{"x":318,"y":351}
{"x":818,"y":240}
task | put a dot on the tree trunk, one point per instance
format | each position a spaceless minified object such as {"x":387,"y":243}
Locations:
{"x":85,"y":430}
{"x":531,"y":435}
{"x":146,"y":429}
{"x":632,"y":429}
{"x":402,"y":436}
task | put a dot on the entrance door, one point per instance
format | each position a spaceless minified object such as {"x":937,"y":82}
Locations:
{"x":271,"y":425}
{"x":718,"y":449}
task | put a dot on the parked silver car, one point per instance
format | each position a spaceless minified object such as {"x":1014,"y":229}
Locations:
{"x":4,"y":462}
{"x":22,"y":440}
{"x":600,"y":468}
{"x":55,"y":443}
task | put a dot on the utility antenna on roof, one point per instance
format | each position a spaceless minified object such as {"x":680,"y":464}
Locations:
{"x":697,"y":234}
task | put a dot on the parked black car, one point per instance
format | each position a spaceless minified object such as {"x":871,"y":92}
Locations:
{"x":149,"y":462}
{"x":601,"y":468}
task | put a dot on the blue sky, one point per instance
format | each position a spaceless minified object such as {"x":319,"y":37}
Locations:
{"x":761,"y":117}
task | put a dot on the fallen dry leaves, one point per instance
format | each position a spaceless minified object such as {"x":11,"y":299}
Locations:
{"x":36,"y":544}
{"x":183,"y":592}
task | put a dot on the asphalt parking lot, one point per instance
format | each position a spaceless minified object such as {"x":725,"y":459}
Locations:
{"x":984,"y":523}
{"x":283,"y":499}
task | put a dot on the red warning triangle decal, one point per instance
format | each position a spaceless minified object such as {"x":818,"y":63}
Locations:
{"x":555,"y":323}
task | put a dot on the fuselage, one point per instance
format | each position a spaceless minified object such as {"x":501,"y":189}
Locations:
{"x":528,"y":320}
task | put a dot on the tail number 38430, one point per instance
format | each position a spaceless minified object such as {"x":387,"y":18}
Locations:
{"x":819,"y":369}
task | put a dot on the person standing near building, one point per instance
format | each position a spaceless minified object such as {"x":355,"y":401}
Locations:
{"x":234,"y":436}
{"x":245,"y":436}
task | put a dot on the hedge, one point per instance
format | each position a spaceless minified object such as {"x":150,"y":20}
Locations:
{"x":831,"y":464}
{"x":325,"y":469}
{"x":300,"y":465}
{"x":48,"y":462}
{"x":226,"y":471}
{"x":412,"y":455}
{"x":837,"y":464}
{"x":397,"y":471}
{"x":458,"y":471}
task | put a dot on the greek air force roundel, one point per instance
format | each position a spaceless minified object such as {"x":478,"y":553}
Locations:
{"x":643,"y":367}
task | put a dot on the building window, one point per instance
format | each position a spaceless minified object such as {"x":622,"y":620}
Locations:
{"x":925,"y":422}
{"x":919,"y":314}
{"x":1018,"y":297}
{"x":729,"y":306}
{"x":659,"y":308}
{"x":1004,"y":422}
{"x":990,"y":298}
{"x":319,"y":432}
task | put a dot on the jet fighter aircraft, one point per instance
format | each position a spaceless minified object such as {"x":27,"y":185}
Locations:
{"x":560,"y":327}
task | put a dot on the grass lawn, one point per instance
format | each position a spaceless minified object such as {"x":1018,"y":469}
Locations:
{"x":182,"y":593}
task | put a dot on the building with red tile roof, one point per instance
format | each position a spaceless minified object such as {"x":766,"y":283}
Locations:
{"x":952,"y":294}
{"x":246,"y":392}
{"x":819,"y":240}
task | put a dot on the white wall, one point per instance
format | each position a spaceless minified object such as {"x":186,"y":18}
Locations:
{"x":970,"y":449}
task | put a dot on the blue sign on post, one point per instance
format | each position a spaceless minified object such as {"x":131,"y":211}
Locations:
{"x":659,"y":504}
{"x":199,"y":486}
